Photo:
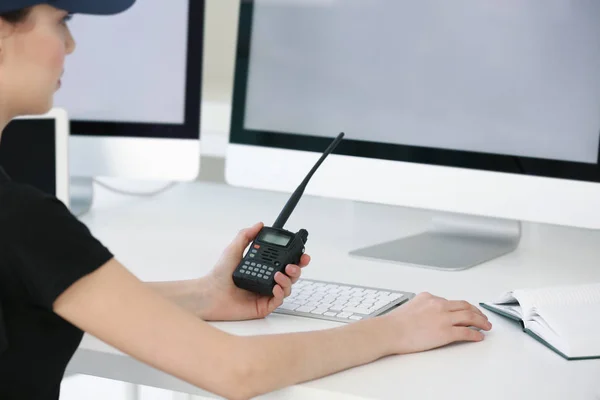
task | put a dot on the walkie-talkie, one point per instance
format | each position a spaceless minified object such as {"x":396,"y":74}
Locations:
{"x":274,"y":247}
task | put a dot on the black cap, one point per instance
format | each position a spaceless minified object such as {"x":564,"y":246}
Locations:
{"x":97,"y":7}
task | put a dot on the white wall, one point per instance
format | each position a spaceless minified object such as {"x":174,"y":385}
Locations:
{"x":220,"y":38}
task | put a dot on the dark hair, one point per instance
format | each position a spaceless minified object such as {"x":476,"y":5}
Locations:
{"x":15,"y":17}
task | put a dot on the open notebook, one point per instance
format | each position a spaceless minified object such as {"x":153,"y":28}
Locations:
{"x":564,"y":318}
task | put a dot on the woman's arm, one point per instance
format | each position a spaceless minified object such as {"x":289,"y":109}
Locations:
{"x":193,"y":295}
{"x":116,"y":307}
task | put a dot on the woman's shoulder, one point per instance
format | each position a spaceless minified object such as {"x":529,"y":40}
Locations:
{"x":15,"y":193}
{"x":19,"y":201}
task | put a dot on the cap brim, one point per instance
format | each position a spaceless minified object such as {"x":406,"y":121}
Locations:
{"x":95,"y":7}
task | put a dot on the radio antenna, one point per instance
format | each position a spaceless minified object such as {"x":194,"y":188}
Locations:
{"x":295,"y":198}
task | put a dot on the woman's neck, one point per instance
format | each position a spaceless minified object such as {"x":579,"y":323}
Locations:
{"x":3,"y":123}
{"x":4,"y":118}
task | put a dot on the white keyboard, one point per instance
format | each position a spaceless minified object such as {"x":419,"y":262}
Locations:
{"x":340,"y":302}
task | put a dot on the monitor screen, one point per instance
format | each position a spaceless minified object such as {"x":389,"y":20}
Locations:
{"x":506,"y":86}
{"x":137,"y":73}
{"x":28,"y":153}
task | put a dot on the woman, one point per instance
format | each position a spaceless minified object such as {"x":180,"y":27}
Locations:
{"x":57,"y":281}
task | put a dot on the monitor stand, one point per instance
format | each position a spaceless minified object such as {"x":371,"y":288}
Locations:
{"x":453,"y":243}
{"x":82,"y":194}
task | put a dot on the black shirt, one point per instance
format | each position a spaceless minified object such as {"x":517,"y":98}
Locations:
{"x":44,"y":249}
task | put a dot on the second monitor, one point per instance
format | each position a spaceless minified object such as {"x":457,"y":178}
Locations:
{"x":492,"y":114}
{"x":132,"y":90}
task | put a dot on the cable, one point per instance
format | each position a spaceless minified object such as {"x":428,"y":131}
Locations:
{"x":139,"y":194}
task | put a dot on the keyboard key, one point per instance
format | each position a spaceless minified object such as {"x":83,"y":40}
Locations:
{"x":357,"y":310}
{"x":344,"y":315}
{"x":355,"y":317}
{"x":330,"y":314}
{"x":305,"y":309}
{"x":289,"y":306}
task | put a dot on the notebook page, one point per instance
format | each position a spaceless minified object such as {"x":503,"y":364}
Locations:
{"x":577,"y":327}
{"x":511,"y":309}
{"x":558,"y":295}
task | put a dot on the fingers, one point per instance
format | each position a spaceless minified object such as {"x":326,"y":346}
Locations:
{"x":245,"y":236}
{"x":470,"y":318}
{"x":464,"y":334}
{"x":460,"y":305}
{"x":304,"y":260}
{"x":285,"y":283}
{"x":294,"y":272}
{"x":250,"y":233}
{"x":276,"y":300}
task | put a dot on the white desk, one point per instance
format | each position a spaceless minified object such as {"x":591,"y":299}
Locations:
{"x":181,"y":233}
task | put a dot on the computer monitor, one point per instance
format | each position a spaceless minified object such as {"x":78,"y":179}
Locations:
{"x":132,"y":89}
{"x":34,"y":151}
{"x":488,"y":112}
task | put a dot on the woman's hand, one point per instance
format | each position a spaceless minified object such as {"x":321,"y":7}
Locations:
{"x":225,"y":301}
{"x":428,"y":322}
